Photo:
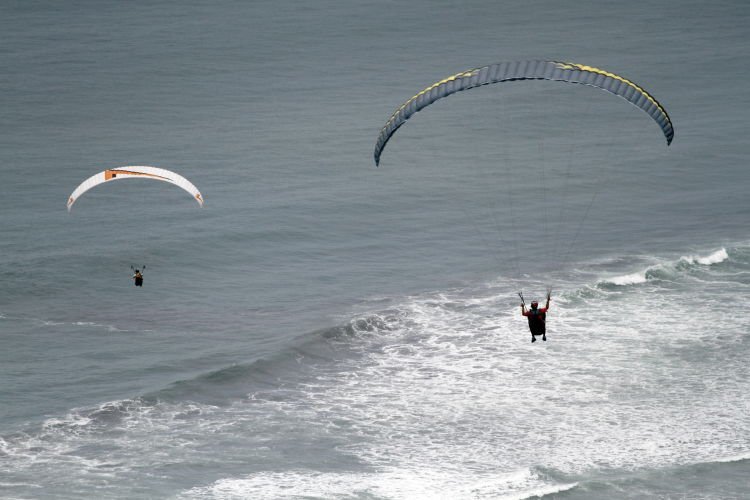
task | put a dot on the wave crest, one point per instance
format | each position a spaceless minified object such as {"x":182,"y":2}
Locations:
{"x":714,"y":258}
{"x":667,"y":270}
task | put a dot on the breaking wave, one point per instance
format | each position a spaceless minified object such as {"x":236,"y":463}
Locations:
{"x":667,"y":270}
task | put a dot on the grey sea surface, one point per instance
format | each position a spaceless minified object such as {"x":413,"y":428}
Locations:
{"x":323,"y":328}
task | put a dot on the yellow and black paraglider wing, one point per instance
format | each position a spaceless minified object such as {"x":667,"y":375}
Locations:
{"x":527,"y":70}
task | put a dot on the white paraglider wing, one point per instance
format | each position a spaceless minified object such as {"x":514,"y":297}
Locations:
{"x":119,"y":173}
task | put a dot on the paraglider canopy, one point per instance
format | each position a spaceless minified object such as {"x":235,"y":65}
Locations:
{"x":526,"y":70}
{"x":135,"y":172}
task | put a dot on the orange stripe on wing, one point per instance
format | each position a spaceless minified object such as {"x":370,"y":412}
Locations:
{"x":111,"y":174}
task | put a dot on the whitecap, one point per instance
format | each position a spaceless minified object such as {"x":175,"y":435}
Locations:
{"x":628,"y":279}
{"x":395,"y":483}
{"x":541,"y":491}
{"x":735,"y":458}
{"x":714,"y":258}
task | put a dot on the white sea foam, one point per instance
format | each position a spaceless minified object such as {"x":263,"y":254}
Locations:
{"x":629,"y":279}
{"x":733,"y":458}
{"x":424,"y":484}
{"x":715,"y":258}
{"x":541,"y":491}
{"x":69,"y":422}
{"x":89,"y":324}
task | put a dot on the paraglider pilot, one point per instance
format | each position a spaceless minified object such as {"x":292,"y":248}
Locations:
{"x":537,"y":317}
{"x":138,"y":278}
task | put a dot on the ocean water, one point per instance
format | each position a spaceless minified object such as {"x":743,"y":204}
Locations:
{"x":327,"y":329}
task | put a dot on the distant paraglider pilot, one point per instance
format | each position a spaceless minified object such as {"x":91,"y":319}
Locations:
{"x":138,"y":278}
{"x":537,"y":317}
